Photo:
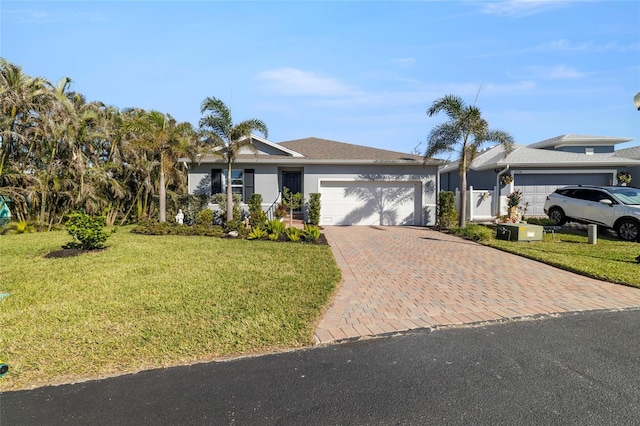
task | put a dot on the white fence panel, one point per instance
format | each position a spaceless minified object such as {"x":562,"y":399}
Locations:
{"x":480,"y":203}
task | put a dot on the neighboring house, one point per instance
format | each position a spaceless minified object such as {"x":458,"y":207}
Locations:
{"x":634,"y":154}
{"x":358,"y":185}
{"x":538,"y":169}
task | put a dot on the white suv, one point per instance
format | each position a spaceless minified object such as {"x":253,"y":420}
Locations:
{"x":616,"y":207}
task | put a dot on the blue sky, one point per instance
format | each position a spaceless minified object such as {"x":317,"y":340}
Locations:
{"x":358,"y":72}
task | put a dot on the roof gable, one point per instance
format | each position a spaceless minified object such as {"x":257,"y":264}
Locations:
{"x":266,"y":147}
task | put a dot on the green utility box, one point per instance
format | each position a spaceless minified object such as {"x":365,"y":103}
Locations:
{"x":518,"y":232}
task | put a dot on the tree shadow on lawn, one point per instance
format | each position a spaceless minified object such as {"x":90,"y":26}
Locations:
{"x":69,"y":252}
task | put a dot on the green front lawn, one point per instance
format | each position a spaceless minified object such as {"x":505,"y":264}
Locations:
{"x":148,"y":302}
{"x":610,"y":259}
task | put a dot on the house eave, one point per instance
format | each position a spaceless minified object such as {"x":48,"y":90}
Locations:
{"x":570,"y":165}
{"x":579,"y":140}
{"x":305,"y":161}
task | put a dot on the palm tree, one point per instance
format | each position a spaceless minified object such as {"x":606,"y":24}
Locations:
{"x":23,"y":100}
{"x":218,"y":129}
{"x":160,"y":134}
{"x":465,"y":132}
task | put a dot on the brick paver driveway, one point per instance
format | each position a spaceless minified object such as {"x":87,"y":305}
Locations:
{"x":403,"y":278}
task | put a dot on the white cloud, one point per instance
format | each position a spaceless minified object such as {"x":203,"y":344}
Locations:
{"x":520,"y":8}
{"x":31,"y":16}
{"x":566,"y":45}
{"x":557,"y":72}
{"x":404,"y":62}
{"x":295,"y":82}
{"x":563,"y":45}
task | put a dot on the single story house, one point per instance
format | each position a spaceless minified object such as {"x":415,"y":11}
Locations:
{"x":359,"y":185}
{"x":634,"y":154}
{"x":538,"y":169}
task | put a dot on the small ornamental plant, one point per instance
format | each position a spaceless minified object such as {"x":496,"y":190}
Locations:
{"x":292,"y":201}
{"x":624,"y":177}
{"x":87,"y":231}
{"x":281,"y":211}
{"x":513,"y":199}
{"x":506,"y":179}
{"x":513,"y":204}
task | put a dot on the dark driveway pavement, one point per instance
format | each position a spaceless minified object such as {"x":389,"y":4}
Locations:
{"x":403,"y":278}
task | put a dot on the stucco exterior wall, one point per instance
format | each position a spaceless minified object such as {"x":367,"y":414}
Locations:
{"x":268,"y":179}
{"x":479,"y":180}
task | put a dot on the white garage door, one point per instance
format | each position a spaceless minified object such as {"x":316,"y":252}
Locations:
{"x":370,"y":203}
{"x":536,"y":187}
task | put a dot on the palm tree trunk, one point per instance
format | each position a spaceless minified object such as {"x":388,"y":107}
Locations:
{"x":163,"y":198}
{"x":229,"y":194}
{"x":162,"y":191}
{"x":462,"y":214}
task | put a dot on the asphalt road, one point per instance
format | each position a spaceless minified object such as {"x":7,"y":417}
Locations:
{"x":577,"y":369}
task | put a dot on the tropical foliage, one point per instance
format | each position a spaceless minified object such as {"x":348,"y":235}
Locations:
{"x":227,"y":139}
{"x":61,"y":153}
{"x":465,"y":133}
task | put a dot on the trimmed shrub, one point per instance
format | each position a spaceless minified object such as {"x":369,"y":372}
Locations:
{"x":167,"y":228}
{"x":473,"y":232}
{"x":314,"y":209}
{"x":204,"y":217}
{"x":191,"y":205}
{"x":446,"y":212}
{"x":87,"y":231}
{"x":542,"y":221}
{"x":234,"y":225}
{"x":257,"y":216}
{"x":221,"y":201}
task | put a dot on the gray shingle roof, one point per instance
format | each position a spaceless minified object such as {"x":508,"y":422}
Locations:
{"x":633,"y":152}
{"x":323,"y":151}
{"x":315,"y":148}
{"x":525,"y":156}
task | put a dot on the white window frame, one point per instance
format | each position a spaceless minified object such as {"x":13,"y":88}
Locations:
{"x":236,"y":188}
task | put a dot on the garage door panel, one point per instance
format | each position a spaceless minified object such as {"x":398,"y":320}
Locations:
{"x":370,"y":203}
{"x":536,"y":187}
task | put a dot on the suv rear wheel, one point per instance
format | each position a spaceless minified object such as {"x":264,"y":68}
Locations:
{"x":557,"y":215}
{"x":628,"y":229}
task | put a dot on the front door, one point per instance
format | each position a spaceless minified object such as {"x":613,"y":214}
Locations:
{"x":292,"y":180}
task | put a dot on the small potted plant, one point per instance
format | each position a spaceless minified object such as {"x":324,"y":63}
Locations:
{"x":513,"y":203}
{"x":281,"y":211}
